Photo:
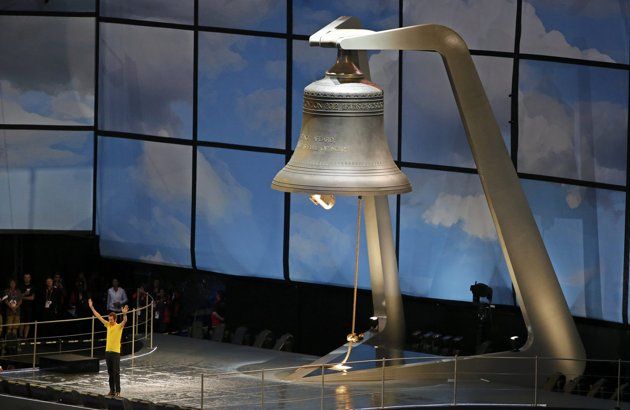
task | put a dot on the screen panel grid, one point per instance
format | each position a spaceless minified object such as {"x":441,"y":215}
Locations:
{"x":559,"y":93}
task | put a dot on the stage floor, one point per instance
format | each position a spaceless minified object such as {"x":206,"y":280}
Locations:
{"x":171,"y":374}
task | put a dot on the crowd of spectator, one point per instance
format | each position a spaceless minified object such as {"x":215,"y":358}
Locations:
{"x":26,"y":300}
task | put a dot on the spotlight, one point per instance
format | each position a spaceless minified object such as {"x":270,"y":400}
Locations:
{"x":326,"y":201}
{"x":514,"y":343}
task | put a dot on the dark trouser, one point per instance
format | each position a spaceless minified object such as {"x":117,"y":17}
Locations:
{"x":113,"y":369}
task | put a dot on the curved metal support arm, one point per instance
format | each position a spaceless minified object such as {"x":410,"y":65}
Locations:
{"x":551,"y":330}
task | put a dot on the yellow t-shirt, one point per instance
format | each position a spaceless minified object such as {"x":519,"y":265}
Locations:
{"x":114,"y":333}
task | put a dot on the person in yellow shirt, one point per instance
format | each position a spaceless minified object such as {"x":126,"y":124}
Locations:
{"x":112,"y":347}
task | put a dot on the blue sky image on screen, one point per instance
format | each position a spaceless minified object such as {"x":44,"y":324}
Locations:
{"x":57,"y":5}
{"x":46,"y":180}
{"x":146,"y":80}
{"x":32,"y":91}
{"x":312,"y":15}
{"x":583,"y":231}
{"x":322,"y":243}
{"x":447,"y":238}
{"x":144,"y":200}
{"x":240,"y":219}
{"x":484,"y":24}
{"x":242,"y":89}
{"x":585,"y":110}
{"x":168,"y":11}
{"x":590,"y":30}
{"x":432,"y":128}
{"x":262,"y":15}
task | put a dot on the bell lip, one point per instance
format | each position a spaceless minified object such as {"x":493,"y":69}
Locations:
{"x":341,"y":191}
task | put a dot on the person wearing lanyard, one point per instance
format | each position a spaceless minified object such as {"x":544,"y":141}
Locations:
{"x":51,"y":301}
{"x":112,"y":346}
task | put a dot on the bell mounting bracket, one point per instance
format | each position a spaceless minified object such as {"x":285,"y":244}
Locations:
{"x":551,"y":329}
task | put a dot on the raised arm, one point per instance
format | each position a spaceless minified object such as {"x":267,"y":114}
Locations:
{"x":98,"y":316}
{"x":125,"y":309}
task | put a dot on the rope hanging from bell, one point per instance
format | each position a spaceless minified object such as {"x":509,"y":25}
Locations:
{"x":353,"y":337}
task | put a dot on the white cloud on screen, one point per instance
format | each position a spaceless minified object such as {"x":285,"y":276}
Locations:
{"x":165,"y":170}
{"x":72,"y":106}
{"x":65,"y":89}
{"x":469,"y":212}
{"x":430,"y":101}
{"x":264,"y":110}
{"x":316,"y":243}
{"x":158,"y":229}
{"x":557,"y":140}
{"x":276,"y":69}
{"x":22,"y":148}
{"x":179,"y":231}
{"x":220,"y":197}
{"x":146,"y":79}
{"x":155,"y":258}
{"x":489,"y":24}
{"x":46,"y":198}
{"x":536,"y":38}
{"x":67,"y":107}
{"x":167,"y":175}
{"x":45,"y":179}
{"x":221,"y":55}
{"x":315,"y":19}
{"x":149,"y":9}
{"x":548,"y":125}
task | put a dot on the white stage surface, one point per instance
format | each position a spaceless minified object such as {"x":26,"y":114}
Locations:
{"x":172,"y":374}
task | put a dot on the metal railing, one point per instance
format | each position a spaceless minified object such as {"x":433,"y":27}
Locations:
{"x":528,"y":382}
{"x":46,"y":336}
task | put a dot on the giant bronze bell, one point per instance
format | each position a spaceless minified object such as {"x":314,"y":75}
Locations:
{"x":342,"y":147}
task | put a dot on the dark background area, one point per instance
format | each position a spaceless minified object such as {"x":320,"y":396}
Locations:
{"x":319,"y":316}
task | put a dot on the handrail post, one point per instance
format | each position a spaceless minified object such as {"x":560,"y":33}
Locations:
{"x":151,"y":335}
{"x":322,"y":396}
{"x":383,"y":383}
{"x":147,"y":317}
{"x":137,"y":311}
{"x":262,"y":389}
{"x":92,"y":339}
{"x":133,"y":336}
{"x":201,"y":391}
{"x":618,"y":382}
{"x":35,"y":345}
{"x":536,"y":382}
{"x":455,"y":381}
